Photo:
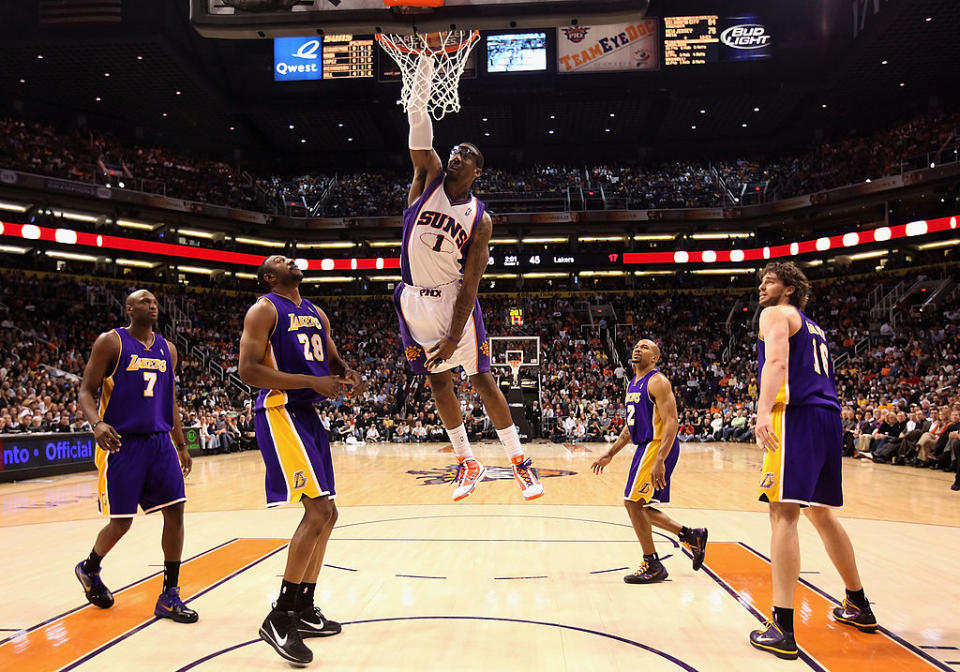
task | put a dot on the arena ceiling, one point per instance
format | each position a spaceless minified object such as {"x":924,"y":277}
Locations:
{"x":155,"y":78}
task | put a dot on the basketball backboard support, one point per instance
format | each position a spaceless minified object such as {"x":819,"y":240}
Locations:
{"x":228,"y":19}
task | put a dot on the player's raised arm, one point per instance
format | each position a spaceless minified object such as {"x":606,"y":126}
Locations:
{"x":476,"y":263}
{"x":103,"y":360}
{"x":257,"y":327}
{"x":426,"y":162}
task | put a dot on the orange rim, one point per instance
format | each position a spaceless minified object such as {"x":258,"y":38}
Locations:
{"x":451,"y":49}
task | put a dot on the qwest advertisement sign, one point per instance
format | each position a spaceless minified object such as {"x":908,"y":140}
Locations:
{"x":621,"y":47}
{"x":297,"y":58}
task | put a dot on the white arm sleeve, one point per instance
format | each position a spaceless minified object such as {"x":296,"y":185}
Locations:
{"x":421,"y":126}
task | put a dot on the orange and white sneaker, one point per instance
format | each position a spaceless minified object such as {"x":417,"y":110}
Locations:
{"x":529,"y":483}
{"x":469,"y":473}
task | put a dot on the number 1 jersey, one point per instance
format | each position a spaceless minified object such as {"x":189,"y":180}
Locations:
{"x":436,"y":236}
{"x":809,"y":379}
{"x":137,"y":398}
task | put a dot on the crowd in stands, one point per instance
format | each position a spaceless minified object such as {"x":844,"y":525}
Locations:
{"x":80,"y":154}
{"x":898,"y":383}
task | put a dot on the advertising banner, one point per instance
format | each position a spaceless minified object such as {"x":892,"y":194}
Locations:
{"x":609,"y":48}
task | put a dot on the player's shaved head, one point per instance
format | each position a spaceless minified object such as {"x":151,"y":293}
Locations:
{"x":138,"y":294}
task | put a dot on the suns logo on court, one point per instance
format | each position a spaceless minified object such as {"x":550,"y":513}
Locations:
{"x":299,"y":480}
{"x":576,"y":34}
{"x":442,"y":475}
{"x":412,"y":353}
{"x":767,"y":480}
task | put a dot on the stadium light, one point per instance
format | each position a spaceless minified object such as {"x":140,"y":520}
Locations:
{"x":134,"y":224}
{"x":942,"y":243}
{"x":719,"y":235}
{"x":385,"y":278}
{"x":545,"y":275}
{"x":259,"y":241}
{"x":245,"y":276}
{"x":13,"y":207}
{"x":724,"y":271}
{"x":869,"y":255}
{"x":76,"y":216}
{"x":334,"y":244}
{"x":388,"y":243}
{"x":504,"y":241}
{"x":641,"y":273}
{"x":599,"y":239}
{"x":331,"y":278}
{"x":654,"y":236}
{"x":138,"y":263}
{"x":14,"y":249}
{"x":196,"y":234}
{"x":601,"y":274}
{"x":545,"y":240}
{"x":199,"y":270}
{"x":73,"y":256}
{"x":500,"y":276}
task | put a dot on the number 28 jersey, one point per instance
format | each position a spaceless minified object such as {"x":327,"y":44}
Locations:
{"x":437,"y":234}
{"x":809,"y":379}
{"x":298,"y":344}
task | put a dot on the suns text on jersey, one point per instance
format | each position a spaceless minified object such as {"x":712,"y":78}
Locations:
{"x":448,"y":224}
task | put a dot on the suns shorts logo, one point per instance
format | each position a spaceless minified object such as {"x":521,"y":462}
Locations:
{"x":767,"y":481}
{"x":485,"y":347}
{"x":413,"y":353}
{"x":299,"y":480}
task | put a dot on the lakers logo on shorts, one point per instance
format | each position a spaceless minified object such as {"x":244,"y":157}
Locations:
{"x":767,"y":481}
{"x":299,"y":480}
{"x":645,"y":489}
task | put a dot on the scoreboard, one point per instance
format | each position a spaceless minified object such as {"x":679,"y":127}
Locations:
{"x":691,"y":40}
{"x":347,"y":56}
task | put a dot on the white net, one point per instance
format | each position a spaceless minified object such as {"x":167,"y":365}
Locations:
{"x":448,"y":51}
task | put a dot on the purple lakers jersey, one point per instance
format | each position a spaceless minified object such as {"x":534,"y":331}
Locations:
{"x":809,"y":378}
{"x":643,"y":416}
{"x":137,"y":398}
{"x":436,"y":236}
{"x":298,"y":344}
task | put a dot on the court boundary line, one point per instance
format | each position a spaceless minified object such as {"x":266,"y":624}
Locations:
{"x":149,"y":622}
{"x":119,"y":590}
{"x":676,"y":661}
{"x":909,"y":646}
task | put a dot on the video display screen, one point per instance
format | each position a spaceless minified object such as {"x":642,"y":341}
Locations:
{"x":517,"y":52}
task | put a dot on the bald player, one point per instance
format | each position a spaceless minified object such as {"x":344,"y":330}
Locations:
{"x":652,"y":426}
{"x":136,"y":426}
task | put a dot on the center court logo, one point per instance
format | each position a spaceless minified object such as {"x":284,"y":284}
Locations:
{"x":445,"y":475}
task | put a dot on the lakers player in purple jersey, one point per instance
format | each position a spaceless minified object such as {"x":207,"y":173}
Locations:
{"x":799,"y":429}
{"x":446,"y":235}
{"x":651,"y":426}
{"x":286,"y":350}
{"x":136,"y":426}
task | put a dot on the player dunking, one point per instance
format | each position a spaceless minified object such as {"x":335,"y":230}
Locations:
{"x":446,"y":234}
{"x":799,"y":428}
{"x":138,"y":464}
{"x":286,"y":350}
{"x":652,"y":425}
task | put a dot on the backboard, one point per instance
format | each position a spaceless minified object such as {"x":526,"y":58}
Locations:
{"x":253,"y":19}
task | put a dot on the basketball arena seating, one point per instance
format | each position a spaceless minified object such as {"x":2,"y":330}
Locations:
{"x":48,"y":326}
{"x":331,"y":191}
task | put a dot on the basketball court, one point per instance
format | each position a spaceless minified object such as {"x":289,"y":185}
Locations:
{"x":491,"y":583}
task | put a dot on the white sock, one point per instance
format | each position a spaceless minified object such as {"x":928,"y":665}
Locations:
{"x":511,"y":441}
{"x":460,"y":442}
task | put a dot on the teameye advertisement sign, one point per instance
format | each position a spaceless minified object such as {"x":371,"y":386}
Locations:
{"x":297,"y":58}
{"x":630,"y":47}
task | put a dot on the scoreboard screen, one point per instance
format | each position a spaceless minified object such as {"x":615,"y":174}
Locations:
{"x":516,"y":317}
{"x":708,"y":38}
{"x":691,"y":40}
{"x":347,"y":56}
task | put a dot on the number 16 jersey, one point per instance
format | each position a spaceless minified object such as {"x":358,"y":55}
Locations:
{"x":809,"y":379}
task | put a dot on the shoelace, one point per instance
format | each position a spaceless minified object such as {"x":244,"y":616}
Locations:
{"x":459,"y":475}
{"x":643,"y":569}
{"x":523,"y":470}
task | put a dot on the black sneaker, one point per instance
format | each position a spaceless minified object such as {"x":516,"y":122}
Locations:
{"x":851,"y":614}
{"x":696,"y":542}
{"x":774,"y":640}
{"x":649,"y":572}
{"x":169,"y":605}
{"x":312,"y":623}
{"x":279,"y":630}
{"x":955,"y":486}
{"x":97,"y":594}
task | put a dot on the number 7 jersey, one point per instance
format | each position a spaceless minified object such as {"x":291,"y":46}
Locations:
{"x":137,"y":398}
{"x":809,"y":379}
{"x":298,"y":344}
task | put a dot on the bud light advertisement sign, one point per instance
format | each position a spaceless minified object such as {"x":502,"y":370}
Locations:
{"x":744,"y":38}
{"x":297,"y":58}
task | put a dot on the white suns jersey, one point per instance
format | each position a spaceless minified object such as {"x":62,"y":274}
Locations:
{"x":437,"y":236}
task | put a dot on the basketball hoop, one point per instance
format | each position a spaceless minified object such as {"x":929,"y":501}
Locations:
{"x":413,"y":6}
{"x":515,"y":368}
{"x":450,"y":58}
